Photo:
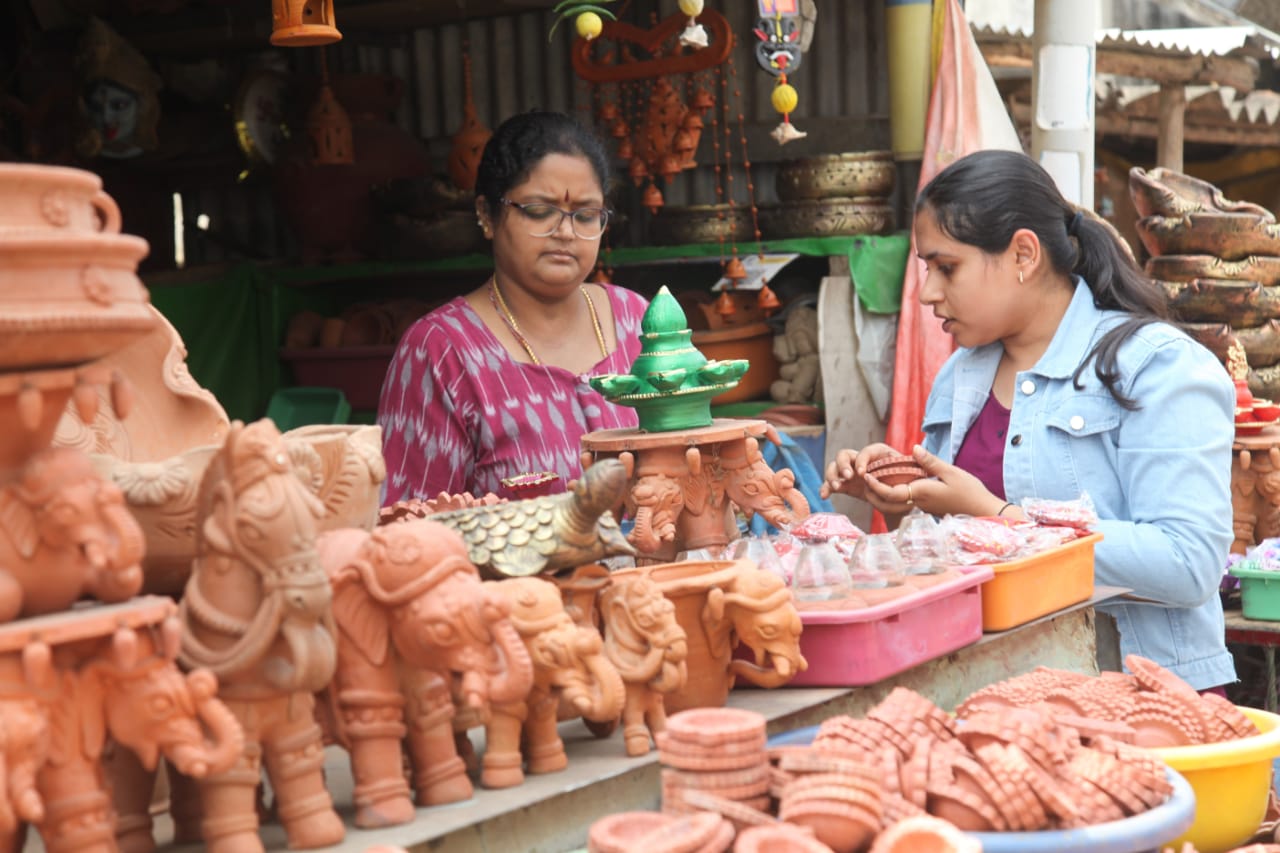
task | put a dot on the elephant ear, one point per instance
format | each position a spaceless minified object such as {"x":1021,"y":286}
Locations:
{"x":18,"y":519}
{"x":361,"y":619}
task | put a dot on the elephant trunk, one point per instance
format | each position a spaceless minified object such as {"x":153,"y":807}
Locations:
{"x":513,"y":678}
{"x":642,"y":535}
{"x":781,"y":671}
{"x":114,"y":553}
{"x":599,"y":696}
{"x":311,"y":660}
{"x":225,"y":743}
{"x":675,"y":668}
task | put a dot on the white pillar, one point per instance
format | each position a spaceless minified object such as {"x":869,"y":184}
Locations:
{"x":1062,"y":85}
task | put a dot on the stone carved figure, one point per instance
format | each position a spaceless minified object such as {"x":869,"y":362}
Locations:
{"x":64,"y":533}
{"x":257,"y":613}
{"x":645,"y":643}
{"x":125,"y":686}
{"x":569,"y":664}
{"x":415,"y":625}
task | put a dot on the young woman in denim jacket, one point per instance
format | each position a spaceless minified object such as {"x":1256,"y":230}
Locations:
{"x":1069,"y":380}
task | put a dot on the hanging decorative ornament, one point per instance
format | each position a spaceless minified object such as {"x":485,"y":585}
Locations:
{"x":329,"y":126}
{"x":587,"y":17}
{"x":779,"y":52}
{"x":303,"y":23}
{"x":694,"y":35}
{"x":469,"y":142}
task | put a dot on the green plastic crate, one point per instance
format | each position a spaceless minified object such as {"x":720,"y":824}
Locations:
{"x":1259,"y":592}
{"x":302,"y":406}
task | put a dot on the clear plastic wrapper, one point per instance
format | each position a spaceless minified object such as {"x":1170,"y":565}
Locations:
{"x":820,"y":573}
{"x":971,"y":541}
{"x":761,"y":552}
{"x":1078,"y":513}
{"x":876,"y":562}
{"x":1265,"y":556}
{"x":825,"y":526}
{"x":921,"y":543}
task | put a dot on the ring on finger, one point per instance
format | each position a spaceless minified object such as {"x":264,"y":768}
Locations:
{"x":910,"y":500}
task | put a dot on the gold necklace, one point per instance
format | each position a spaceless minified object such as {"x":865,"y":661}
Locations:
{"x":495,"y":296}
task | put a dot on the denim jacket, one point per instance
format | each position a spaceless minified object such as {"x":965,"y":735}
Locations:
{"x":1159,"y":477}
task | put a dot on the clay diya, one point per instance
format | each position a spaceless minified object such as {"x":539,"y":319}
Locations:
{"x":896,"y":470}
{"x":1165,"y":192}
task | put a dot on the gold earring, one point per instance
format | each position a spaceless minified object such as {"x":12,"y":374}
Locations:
{"x":1019,"y":276}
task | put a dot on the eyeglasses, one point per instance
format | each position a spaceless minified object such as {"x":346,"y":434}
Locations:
{"x":588,"y":223}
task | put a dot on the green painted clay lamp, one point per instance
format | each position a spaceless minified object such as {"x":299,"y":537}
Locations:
{"x":671,"y":383}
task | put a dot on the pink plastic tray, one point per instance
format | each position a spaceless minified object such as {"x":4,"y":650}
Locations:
{"x":850,"y":648}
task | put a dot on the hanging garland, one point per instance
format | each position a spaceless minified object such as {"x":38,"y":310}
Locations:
{"x":778,"y":52}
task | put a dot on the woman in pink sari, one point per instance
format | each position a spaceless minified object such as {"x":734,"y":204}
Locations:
{"x":493,"y":384}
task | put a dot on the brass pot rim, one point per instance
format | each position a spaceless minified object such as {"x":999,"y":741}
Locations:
{"x":839,"y":157}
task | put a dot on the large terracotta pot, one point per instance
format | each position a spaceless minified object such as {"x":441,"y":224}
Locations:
{"x":55,"y":199}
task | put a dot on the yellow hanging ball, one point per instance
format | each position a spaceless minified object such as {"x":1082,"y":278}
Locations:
{"x":692,"y":8}
{"x":784,"y":98}
{"x":589,"y":25}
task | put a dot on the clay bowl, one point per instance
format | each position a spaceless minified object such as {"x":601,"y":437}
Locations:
{"x":847,"y":175}
{"x":899,"y":475}
{"x":1245,"y":415}
{"x":826,"y":217}
{"x":1261,"y":343}
{"x":1241,"y":303}
{"x":617,"y":833}
{"x":1164,"y":192}
{"x":1265,"y":410}
{"x":1231,"y":236}
{"x":1264,"y":270}
{"x":701,"y":223}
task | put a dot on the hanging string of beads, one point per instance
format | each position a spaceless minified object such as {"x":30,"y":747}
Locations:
{"x":766,"y":299}
{"x":733,"y":270}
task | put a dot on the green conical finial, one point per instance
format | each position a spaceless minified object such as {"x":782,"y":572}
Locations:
{"x":671,"y":383}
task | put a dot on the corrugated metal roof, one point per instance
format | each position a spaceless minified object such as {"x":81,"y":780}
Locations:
{"x":1188,"y":41}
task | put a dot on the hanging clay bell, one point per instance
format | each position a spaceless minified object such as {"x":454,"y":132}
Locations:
{"x":469,"y":142}
{"x":668,"y":167}
{"x":625,"y":149}
{"x":303,"y":23}
{"x":725,"y":306}
{"x":735,"y":271}
{"x":702,"y":100}
{"x":767,"y":300}
{"x":329,"y":131}
{"x":608,"y":112}
{"x":638,"y":170}
{"x":620,"y":129}
{"x":653,"y":198}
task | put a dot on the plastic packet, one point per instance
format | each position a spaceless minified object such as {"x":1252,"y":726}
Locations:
{"x":1078,"y":513}
{"x":977,"y":540}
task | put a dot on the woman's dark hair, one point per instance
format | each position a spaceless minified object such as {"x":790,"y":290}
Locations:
{"x":520,"y":143}
{"x":982,"y":199}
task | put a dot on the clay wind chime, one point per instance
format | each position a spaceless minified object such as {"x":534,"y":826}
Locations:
{"x":310,"y":23}
{"x":657,"y":91}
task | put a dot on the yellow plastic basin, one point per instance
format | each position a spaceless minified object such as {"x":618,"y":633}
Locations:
{"x":1231,"y":781}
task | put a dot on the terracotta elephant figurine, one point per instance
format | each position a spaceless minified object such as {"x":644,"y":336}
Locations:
{"x":721,"y":604}
{"x":568,"y":664}
{"x":257,"y":612}
{"x":415,"y":626}
{"x":125,"y":690}
{"x":650,"y":650}
{"x":1255,"y":497}
{"x":64,"y":533}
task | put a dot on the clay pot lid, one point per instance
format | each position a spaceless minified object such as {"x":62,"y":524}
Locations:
{"x":619,"y":833}
{"x":966,"y":811}
{"x":1231,"y":716}
{"x":754,"y":746}
{"x":1090,"y":728}
{"x":889,"y":461}
{"x":687,"y":834}
{"x":924,"y":833}
{"x":899,"y":475}
{"x":718,"y":780}
{"x":736,"y":811}
{"x":779,"y":838}
{"x":816,"y":761}
{"x":716,"y":726}
{"x":841,"y":827}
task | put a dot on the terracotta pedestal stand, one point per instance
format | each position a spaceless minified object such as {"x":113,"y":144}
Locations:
{"x":685,"y":484}
{"x":1255,"y":488}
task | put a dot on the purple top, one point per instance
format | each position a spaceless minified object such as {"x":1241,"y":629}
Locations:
{"x":982,"y":451}
{"x":458,"y":414}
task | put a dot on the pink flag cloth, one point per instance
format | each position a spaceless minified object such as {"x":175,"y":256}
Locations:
{"x":965,"y":115}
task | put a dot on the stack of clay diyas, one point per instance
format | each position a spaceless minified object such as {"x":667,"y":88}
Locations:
{"x":715,"y":756}
{"x":1151,"y":708}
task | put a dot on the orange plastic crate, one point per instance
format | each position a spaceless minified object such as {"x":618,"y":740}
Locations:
{"x":1034,"y":586}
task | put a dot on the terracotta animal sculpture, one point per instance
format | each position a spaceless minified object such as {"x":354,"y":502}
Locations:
{"x":256,"y":612}
{"x":64,"y":533}
{"x":547,"y":534}
{"x":568,"y":664}
{"x":415,"y":625}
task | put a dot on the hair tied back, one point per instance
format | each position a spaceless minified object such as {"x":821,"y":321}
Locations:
{"x":1073,"y":227}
